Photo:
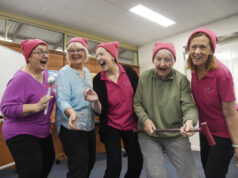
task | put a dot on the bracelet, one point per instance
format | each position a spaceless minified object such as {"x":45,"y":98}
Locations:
{"x":234,"y":146}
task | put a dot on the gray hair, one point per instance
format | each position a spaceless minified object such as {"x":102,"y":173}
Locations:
{"x":166,"y":51}
{"x":79,"y":45}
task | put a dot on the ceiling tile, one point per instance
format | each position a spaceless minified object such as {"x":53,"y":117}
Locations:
{"x":210,"y":16}
{"x":26,"y":8}
{"x":97,"y":9}
{"x":112,"y":19}
{"x":71,"y":18}
{"x":231,"y":8}
{"x":115,"y":32}
{"x":135,"y":23}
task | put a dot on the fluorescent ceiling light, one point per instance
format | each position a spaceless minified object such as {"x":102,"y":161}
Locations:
{"x":151,"y":15}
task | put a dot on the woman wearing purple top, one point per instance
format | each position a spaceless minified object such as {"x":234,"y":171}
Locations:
{"x":26,"y":128}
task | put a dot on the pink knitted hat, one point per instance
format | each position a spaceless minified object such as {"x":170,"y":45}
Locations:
{"x":163,"y":45}
{"x":27,"y":46}
{"x":81,"y":40}
{"x":212,"y":35}
{"x":111,"y":47}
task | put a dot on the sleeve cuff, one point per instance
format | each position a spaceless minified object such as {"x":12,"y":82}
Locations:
{"x":65,"y":106}
{"x":19,"y":111}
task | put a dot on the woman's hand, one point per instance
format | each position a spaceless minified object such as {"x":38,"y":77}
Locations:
{"x":34,"y":108}
{"x":43,"y":103}
{"x":90,"y":95}
{"x":236,"y":156}
{"x":149,"y":127}
{"x":187,"y":129}
{"x":73,"y":118}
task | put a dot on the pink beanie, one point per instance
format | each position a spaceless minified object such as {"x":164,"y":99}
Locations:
{"x":81,"y":40}
{"x":111,"y":47}
{"x":27,"y":46}
{"x":212,"y":35}
{"x":163,"y":45}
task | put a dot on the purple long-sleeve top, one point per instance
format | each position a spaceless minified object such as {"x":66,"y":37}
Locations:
{"x":24,"y":89}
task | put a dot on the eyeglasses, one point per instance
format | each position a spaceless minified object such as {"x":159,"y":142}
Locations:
{"x":42,"y":53}
{"x":76,"y":51}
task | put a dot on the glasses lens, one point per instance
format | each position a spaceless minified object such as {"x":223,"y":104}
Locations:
{"x":42,"y":53}
{"x":47,"y":52}
{"x":75,"y":51}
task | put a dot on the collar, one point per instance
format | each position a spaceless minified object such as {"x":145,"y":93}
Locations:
{"x":121,"y":70}
{"x":210,"y":74}
{"x":73,"y":70}
{"x":170,"y":76}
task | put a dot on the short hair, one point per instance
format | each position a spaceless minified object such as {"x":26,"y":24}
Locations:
{"x":79,"y":45}
{"x":165,"y":51}
{"x":211,"y":62}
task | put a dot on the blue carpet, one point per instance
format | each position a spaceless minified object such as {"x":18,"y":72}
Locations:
{"x":59,"y":170}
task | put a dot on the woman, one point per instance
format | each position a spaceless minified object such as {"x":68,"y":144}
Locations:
{"x":26,"y":128}
{"x":163,"y":100}
{"x":74,"y":116}
{"x":213,"y":91}
{"x":115,"y":86}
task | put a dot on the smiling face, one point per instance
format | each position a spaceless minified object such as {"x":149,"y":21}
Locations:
{"x":76,"y":56}
{"x":105,"y":59}
{"x":200,"y":50}
{"x":39,"y":58}
{"x":163,"y":62}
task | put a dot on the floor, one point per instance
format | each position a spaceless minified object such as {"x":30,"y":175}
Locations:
{"x":59,"y":170}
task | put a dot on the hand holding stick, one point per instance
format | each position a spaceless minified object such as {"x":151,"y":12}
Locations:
{"x":203,"y":129}
{"x":50,"y":81}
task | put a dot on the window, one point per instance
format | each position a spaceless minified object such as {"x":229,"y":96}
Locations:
{"x":18,"y":31}
{"x":124,"y":56}
{"x":91,"y":45}
{"x":2,"y":28}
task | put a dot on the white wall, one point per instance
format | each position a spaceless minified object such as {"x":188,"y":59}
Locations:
{"x":228,"y":54}
{"x":11,"y":61}
{"x":222,"y":27}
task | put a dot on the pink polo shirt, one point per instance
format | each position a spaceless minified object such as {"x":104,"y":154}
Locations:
{"x":120,"y":102}
{"x":209,"y":92}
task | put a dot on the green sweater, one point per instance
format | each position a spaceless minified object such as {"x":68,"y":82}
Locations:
{"x":167,"y":102}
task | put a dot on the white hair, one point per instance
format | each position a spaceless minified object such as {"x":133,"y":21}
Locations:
{"x":79,"y":45}
{"x":165,"y":51}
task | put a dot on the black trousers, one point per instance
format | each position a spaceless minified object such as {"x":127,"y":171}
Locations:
{"x":80,"y":147}
{"x":216,"y":159}
{"x":34,"y":157}
{"x":112,"y":143}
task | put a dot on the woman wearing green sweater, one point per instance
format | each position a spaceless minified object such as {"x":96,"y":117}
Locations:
{"x":163,"y":100}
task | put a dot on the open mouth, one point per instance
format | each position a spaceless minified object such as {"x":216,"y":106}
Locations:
{"x":76,"y":56}
{"x":102,"y":63}
{"x":163,"y":69}
{"x":43,"y":62}
{"x":197,"y":57}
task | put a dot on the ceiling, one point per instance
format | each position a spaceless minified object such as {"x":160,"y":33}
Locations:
{"x":112,"y":19}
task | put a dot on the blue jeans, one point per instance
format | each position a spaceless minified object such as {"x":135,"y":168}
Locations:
{"x":179,"y":153}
